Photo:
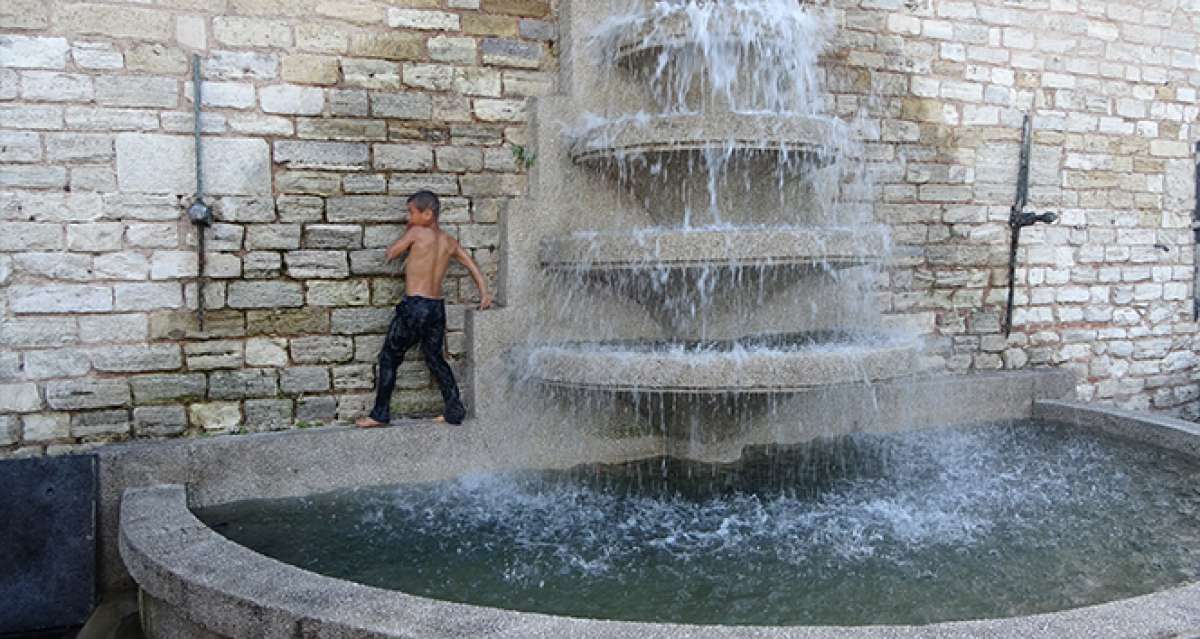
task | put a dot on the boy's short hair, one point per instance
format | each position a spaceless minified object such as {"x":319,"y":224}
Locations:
{"x":426,"y":200}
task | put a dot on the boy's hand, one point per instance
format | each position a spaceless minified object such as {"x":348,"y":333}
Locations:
{"x":485,"y":301}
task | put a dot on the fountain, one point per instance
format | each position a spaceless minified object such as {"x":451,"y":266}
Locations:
{"x":691,"y":418}
{"x":696,"y":243}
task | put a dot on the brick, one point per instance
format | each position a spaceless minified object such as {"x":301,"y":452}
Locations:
{"x":432,"y":77}
{"x":245,"y":209}
{"x":19,"y":398}
{"x":321,"y":155}
{"x":371,"y":74}
{"x":166,"y":265}
{"x":156,"y":58}
{"x":310,"y":69}
{"x":266,"y":352}
{"x":360,"y":184}
{"x":147,"y":296}
{"x":292,"y":99}
{"x":255,"y":382}
{"x":265,"y":294}
{"x":100,"y":423}
{"x":460,"y":159}
{"x":304,"y":379}
{"x":322,"y":349}
{"x":52,"y":86}
{"x":240,"y":65}
{"x":134,"y":358}
{"x":530,"y":8}
{"x":31,"y":117}
{"x":237,"y":31}
{"x":322,"y":37}
{"x":169,"y":387}
{"x":34,"y":177}
{"x":489,"y":25}
{"x":113,"y":328}
{"x":344,"y":293}
{"x":49,"y":332}
{"x":403,"y":157}
{"x":20,"y":146}
{"x":56,"y":266}
{"x":350,"y":102}
{"x":332,"y":236}
{"x":29,"y":52}
{"x":24,"y":14}
{"x":478,"y":82}
{"x":402,"y":105}
{"x":60,"y":298}
{"x":46,"y":427}
{"x":264,"y":415}
{"x":79,"y":147}
{"x":317,"y":264}
{"x":216,"y":416}
{"x":87,"y":393}
{"x":537,"y":30}
{"x":366,"y":208}
{"x":116,"y":21}
{"x":288,"y":321}
{"x":159,"y":421}
{"x":231,"y":95}
{"x":149,"y":234}
{"x":191,"y":32}
{"x":137,"y":91}
{"x":419,"y":19}
{"x":356,"y":321}
{"x":316,"y":409}
{"x":110,"y":119}
{"x":511,"y":53}
{"x":500,"y":110}
{"x":452,"y":49}
{"x":213,"y":354}
{"x":341,"y":129}
{"x":299,"y":208}
{"x":359,"y":12}
{"x":395,"y":45}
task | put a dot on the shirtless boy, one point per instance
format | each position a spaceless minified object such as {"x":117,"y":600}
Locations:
{"x":421,"y":315}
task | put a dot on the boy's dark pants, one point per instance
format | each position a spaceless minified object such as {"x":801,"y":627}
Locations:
{"x":423,"y":320}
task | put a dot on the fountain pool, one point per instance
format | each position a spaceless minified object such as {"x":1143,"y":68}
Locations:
{"x":964,"y":523}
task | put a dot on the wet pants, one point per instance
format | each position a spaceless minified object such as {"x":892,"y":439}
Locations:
{"x":418,"y":320}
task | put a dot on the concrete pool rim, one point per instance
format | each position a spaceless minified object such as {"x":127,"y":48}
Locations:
{"x":198,"y":583}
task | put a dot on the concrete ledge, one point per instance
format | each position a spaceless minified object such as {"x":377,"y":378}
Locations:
{"x":792,"y":136}
{"x":1156,"y":430}
{"x":752,"y":247}
{"x":199,"y":584}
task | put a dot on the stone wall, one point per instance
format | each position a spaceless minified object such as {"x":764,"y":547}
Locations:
{"x":1112,"y":86}
{"x":320,"y":117}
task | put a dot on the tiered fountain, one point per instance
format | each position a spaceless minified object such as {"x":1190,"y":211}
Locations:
{"x":692,"y":261}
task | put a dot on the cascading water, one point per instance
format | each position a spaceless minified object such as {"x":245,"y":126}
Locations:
{"x":757,"y":248}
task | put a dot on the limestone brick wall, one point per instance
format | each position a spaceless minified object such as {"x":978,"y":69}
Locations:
{"x":1113,"y":88}
{"x":320,"y":117}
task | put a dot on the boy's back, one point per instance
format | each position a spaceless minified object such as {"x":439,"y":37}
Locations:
{"x":429,"y":258}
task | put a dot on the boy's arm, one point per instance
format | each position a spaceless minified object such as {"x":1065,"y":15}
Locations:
{"x":400,"y":246}
{"x":485,"y":298}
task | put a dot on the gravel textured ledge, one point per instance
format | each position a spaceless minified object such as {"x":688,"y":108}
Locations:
{"x":199,"y":584}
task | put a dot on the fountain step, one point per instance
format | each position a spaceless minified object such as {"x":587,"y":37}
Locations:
{"x":780,"y":366}
{"x":729,"y":26}
{"x":801,"y":137}
{"x":658,"y":250}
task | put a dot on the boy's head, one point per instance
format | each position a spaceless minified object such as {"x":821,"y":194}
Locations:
{"x":424,"y":208}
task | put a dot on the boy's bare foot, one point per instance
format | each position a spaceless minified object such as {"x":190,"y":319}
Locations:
{"x":440,"y":419}
{"x":367,"y":422}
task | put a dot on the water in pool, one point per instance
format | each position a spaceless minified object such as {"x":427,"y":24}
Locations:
{"x":971,"y":522}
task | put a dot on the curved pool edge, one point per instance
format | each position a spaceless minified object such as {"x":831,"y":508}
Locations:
{"x":204,"y":585}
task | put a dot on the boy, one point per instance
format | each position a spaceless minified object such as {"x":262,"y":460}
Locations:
{"x":421,"y":315}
